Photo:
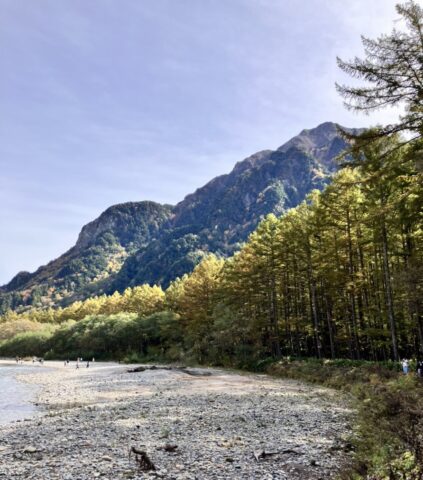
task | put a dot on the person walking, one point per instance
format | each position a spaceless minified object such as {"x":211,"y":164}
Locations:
{"x":405,"y":366}
{"x":419,"y":368}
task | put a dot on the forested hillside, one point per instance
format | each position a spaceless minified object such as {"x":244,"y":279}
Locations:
{"x":338,"y":276}
{"x":100,"y":251}
{"x":144,"y":242}
{"x":219,"y":216}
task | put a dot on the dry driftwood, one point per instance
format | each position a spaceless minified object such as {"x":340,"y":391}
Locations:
{"x":143,"y":460}
{"x":261,"y":454}
{"x":195,"y":373}
{"x":168,"y":448}
{"x":136,"y":369}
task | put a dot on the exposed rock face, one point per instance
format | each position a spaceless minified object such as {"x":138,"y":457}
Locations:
{"x":323,"y":143}
{"x":133,"y":223}
{"x":144,"y":242}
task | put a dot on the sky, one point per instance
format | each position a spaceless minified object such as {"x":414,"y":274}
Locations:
{"x":106,"y":101}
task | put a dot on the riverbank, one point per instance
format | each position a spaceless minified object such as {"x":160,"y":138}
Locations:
{"x":212,"y":424}
{"x":389,"y":421}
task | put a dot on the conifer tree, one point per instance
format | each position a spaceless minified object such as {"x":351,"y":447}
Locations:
{"x":393,"y":70}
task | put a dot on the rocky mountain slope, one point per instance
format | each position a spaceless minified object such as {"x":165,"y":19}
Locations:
{"x":221,"y":214}
{"x":144,"y":242}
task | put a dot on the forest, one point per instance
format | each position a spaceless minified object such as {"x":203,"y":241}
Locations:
{"x":339,"y":276}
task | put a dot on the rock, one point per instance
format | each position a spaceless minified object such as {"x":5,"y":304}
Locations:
{"x":29,"y":449}
{"x":203,"y":417}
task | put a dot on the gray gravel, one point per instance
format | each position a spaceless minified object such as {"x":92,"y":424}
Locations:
{"x":220,"y":422}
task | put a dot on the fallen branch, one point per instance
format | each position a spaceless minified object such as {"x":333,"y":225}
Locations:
{"x":168,"y":448}
{"x":261,"y":454}
{"x":143,"y":460}
{"x":195,"y":373}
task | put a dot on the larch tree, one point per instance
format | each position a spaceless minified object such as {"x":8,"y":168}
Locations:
{"x":393,"y":74}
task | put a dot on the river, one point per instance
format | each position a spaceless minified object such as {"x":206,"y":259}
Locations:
{"x":15,"y":397}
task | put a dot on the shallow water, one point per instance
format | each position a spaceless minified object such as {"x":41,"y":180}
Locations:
{"x":15,"y":396}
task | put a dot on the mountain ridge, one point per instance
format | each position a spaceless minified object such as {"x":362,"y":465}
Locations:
{"x":146,"y":242}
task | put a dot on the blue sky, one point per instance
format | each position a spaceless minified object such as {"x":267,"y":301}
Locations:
{"x":106,"y":101}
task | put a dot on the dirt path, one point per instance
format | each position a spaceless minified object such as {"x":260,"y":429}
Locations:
{"x":219,"y":421}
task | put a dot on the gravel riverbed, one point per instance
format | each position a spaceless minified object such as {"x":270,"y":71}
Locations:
{"x":195,"y":424}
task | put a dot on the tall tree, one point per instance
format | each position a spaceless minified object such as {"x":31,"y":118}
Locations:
{"x":393,"y":70}
{"x":197,"y":302}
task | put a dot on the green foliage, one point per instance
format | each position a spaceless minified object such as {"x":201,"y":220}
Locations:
{"x":113,"y":336}
{"x":35,"y":343}
{"x":17,"y":325}
{"x":392,"y":70}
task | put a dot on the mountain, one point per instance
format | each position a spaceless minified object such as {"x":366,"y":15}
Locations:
{"x":219,"y":216}
{"x":144,"y":242}
{"x":100,"y":251}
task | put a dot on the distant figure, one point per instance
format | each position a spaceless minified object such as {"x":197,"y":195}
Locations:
{"x":405,"y":366}
{"x":420,"y":368}
{"x":93,"y":360}
{"x":77,"y":363}
{"x":88,"y":364}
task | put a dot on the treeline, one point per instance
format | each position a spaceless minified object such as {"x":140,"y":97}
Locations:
{"x":338,"y":276}
{"x":142,"y":299}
